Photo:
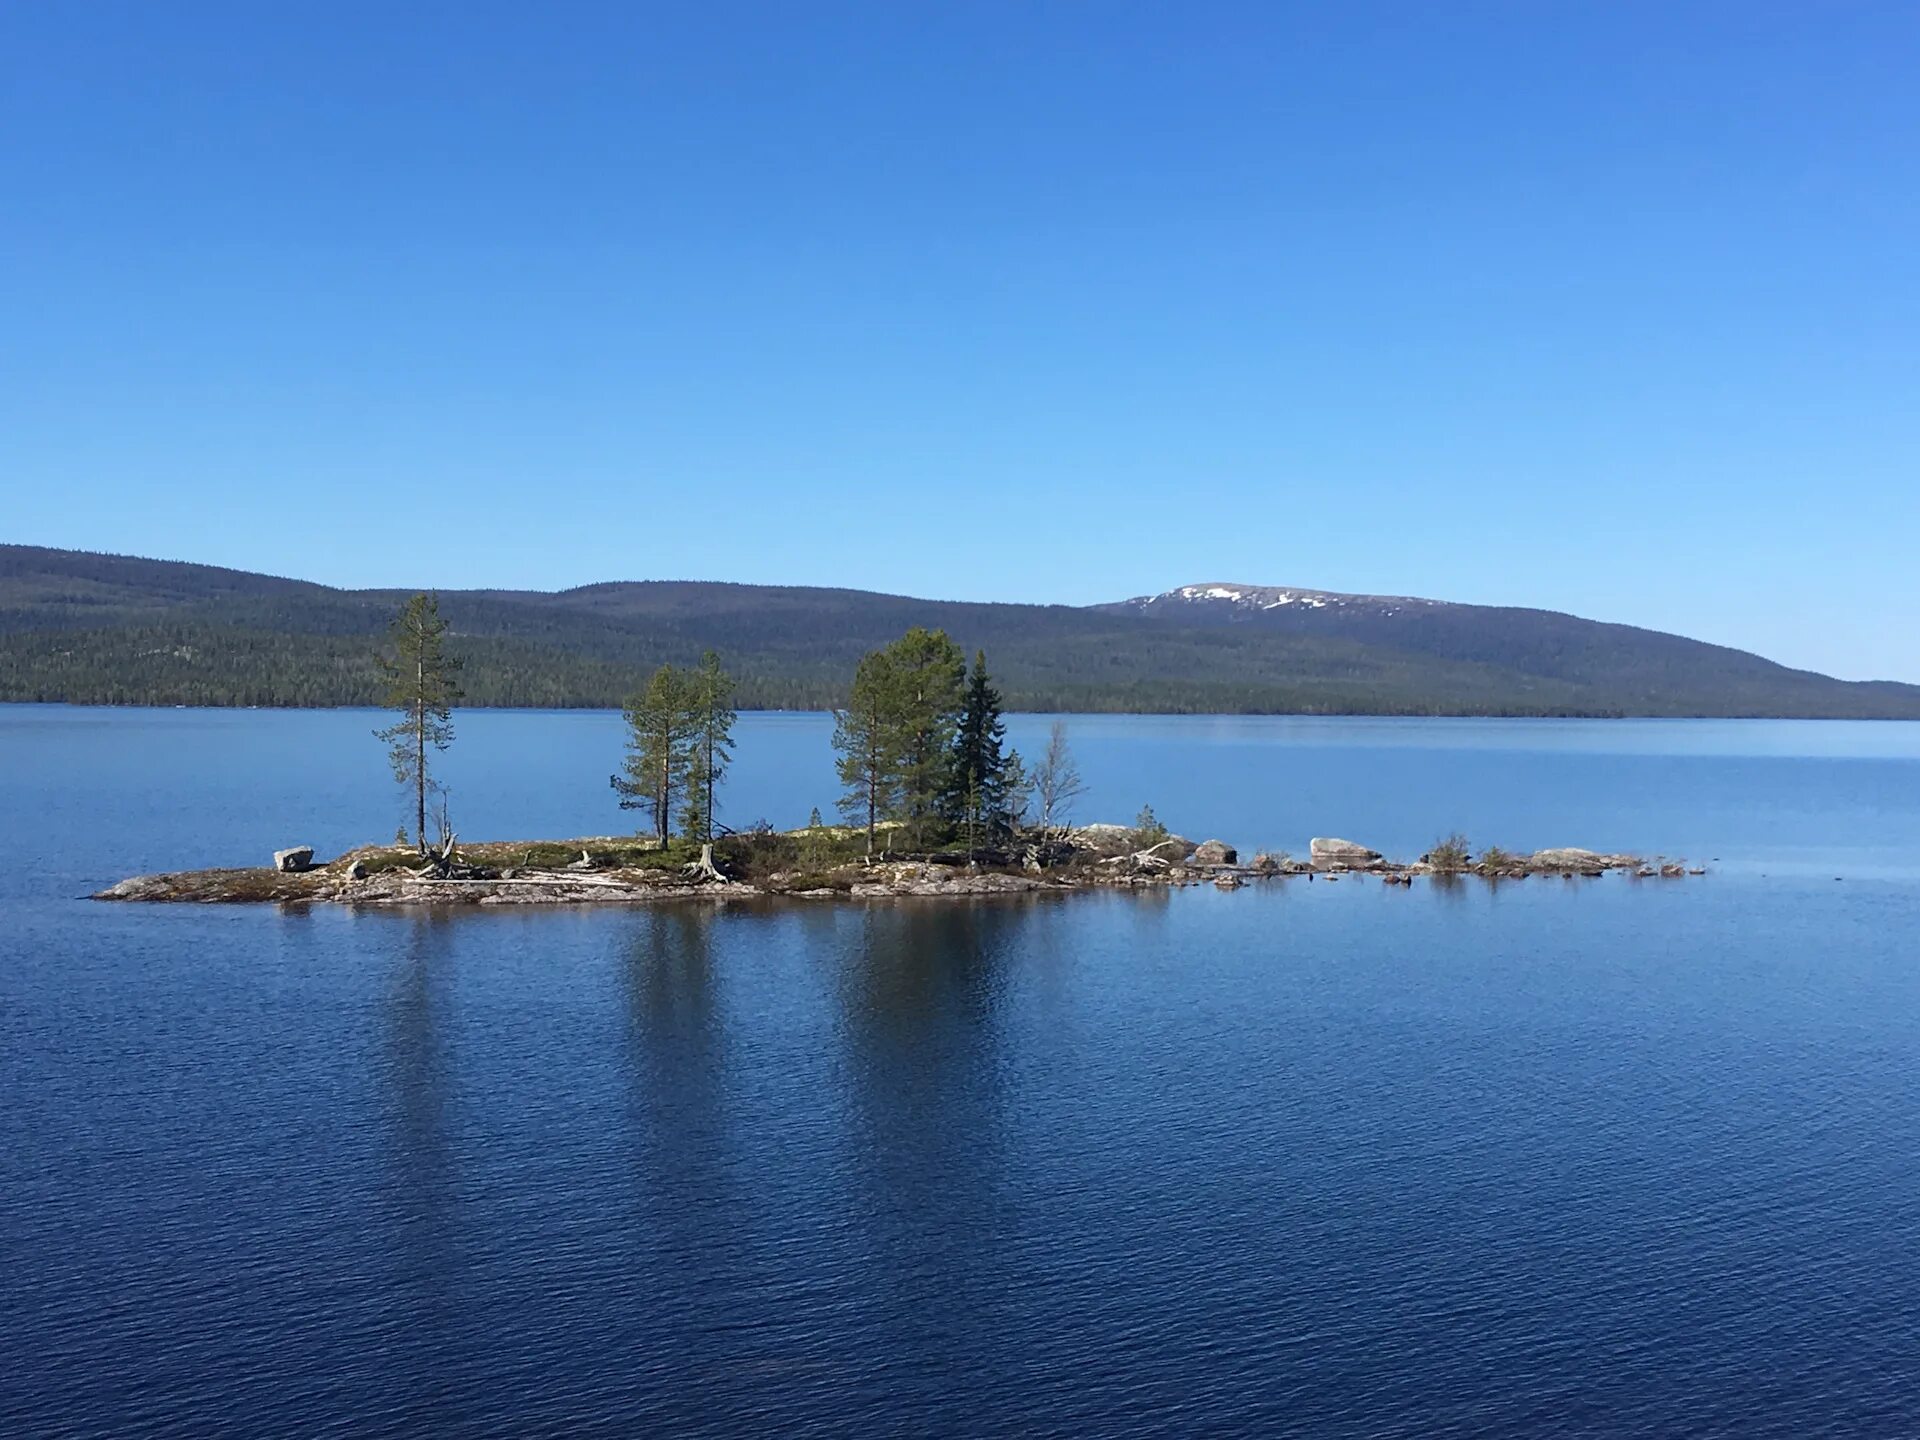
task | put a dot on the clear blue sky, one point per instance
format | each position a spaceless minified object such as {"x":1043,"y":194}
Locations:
{"x":1608,"y":307}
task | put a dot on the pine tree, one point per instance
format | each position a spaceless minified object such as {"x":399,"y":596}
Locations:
{"x":895,"y":736}
{"x":420,"y":683}
{"x":930,"y":675}
{"x":866,"y":733}
{"x":661,"y":741}
{"x":710,"y":706}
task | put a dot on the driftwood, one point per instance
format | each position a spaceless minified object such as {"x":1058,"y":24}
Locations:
{"x":1144,"y":859}
{"x":704,"y":869}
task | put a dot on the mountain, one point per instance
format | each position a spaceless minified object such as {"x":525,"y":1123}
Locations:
{"x":113,"y":629}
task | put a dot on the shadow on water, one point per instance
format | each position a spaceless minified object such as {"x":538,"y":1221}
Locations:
{"x":422,"y":1200}
{"x":927,"y":1074}
{"x":690,"y":1204}
{"x":676,"y":1031}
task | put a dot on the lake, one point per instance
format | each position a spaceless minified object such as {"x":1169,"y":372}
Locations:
{"x":1604,"y":1158}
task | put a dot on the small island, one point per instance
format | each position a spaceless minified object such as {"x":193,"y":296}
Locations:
{"x":935,"y":803}
{"x":826,"y":863}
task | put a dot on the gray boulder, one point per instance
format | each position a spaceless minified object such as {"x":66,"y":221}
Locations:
{"x":292,"y":862}
{"x":1325,"y":852}
{"x":1215,"y":852}
{"x":1572,"y":857}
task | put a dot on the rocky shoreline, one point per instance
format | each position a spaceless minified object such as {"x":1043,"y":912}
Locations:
{"x":608,"y":871}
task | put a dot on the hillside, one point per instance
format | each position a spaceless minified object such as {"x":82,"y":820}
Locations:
{"x":91,"y":628}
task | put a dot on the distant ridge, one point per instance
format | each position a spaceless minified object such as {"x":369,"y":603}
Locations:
{"x":109,"y":629}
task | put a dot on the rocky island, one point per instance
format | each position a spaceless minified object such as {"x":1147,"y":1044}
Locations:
{"x":821,"y":863}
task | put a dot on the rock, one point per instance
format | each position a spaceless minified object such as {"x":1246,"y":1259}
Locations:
{"x":1228,"y":882}
{"x":1327,"y":852}
{"x":1265,"y":864}
{"x":1110,"y":840}
{"x":292,"y":862}
{"x":1672,"y":872}
{"x":1567,"y":857}
{"x":1215,"y":852}
{"x":357,"y":870}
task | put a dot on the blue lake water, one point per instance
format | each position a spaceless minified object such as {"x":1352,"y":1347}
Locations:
{"x":1600,"y":1158}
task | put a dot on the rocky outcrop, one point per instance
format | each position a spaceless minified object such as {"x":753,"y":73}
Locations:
{"x":1327,"y":853}
{"x":1570,"y":857}
{"x":292,"y":862}
{"x":1215,"y":852}
{"x":1109,"y":840}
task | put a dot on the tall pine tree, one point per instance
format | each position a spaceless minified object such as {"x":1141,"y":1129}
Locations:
{"x":420,"y":683}
{"x":866,"y":734}
{"x":661,"y":740}
{"x":895,"y":736}
{"x":710,"y":707}
{"x":929,"y":675}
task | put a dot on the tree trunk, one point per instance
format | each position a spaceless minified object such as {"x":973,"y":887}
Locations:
{"x":420,"y":755}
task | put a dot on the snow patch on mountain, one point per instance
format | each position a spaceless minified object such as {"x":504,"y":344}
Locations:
{"x":1275,"y":597}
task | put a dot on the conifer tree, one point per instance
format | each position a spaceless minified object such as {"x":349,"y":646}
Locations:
{"x":866,"y":734}
{"x":661,"y":741}
{"x":895,"y":736}
{"x":976,"y":798}
{"x":710,"y":706}
{"x":420,"y":683}
{"x":930,"y":674}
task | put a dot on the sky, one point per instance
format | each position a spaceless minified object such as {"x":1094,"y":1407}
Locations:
{"x":1611,"y":308}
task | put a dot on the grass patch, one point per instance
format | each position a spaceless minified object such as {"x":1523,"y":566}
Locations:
{"x":1451,"y":855}
{"x":1495,"y":861}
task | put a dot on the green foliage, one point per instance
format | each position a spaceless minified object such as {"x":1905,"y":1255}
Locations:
{"x":976,"y":800}
{"x":709,"y":692}
{"x":866,"y":735}
{"x":895,"y":735}
{"x":1495,"y":861}
{"x":662,"y":736}
{"x":1147,"y":829}
{"x":1451,"y":855}
{"x":419,"y":681}
{"x":930,"y":675}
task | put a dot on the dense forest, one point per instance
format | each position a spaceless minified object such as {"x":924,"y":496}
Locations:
{"x":93,"y":629}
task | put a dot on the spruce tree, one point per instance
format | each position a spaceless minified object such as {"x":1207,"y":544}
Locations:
{"x":420,"y":683}
{"x":662,"y":737}
{"x":976,"y":797}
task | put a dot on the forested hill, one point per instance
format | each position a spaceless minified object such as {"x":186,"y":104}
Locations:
{"x":92,"y":629}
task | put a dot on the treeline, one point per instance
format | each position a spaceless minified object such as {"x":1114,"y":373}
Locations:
{"x":112,"y":629}
{"x":216,"y":666}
